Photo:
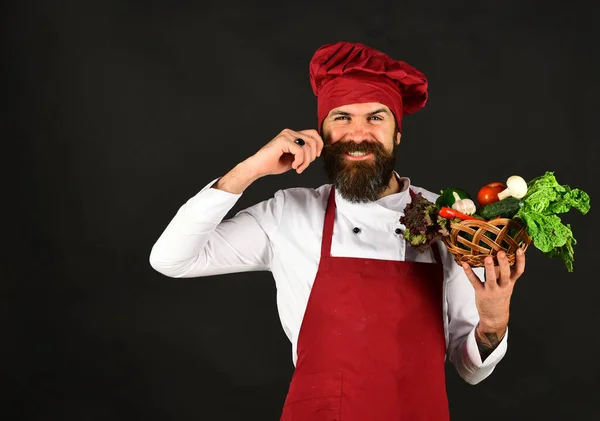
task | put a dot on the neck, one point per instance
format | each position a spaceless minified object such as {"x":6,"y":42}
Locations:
{"x":394,"y":186}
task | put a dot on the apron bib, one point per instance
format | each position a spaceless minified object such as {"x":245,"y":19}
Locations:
{"x":371,"y":345}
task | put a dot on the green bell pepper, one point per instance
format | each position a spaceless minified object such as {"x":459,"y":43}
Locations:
{"x":447,"y":197}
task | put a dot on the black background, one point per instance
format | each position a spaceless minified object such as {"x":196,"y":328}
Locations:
{"x":116,"y":112}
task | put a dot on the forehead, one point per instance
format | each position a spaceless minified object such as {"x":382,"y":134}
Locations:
{"x":360,"y":108}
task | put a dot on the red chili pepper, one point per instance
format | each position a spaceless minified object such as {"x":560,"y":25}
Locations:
{"x":449,"y":213}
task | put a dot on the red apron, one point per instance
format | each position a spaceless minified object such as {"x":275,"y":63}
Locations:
{"x":371,"y":345}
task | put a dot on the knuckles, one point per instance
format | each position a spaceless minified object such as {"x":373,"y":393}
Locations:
{"x":308,"y":132}
{"x":287,"y":132}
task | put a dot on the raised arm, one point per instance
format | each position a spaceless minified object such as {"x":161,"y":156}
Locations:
{"x":198,"y":242}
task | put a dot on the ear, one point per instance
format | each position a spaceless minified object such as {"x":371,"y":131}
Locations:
{"x":398,"y":136}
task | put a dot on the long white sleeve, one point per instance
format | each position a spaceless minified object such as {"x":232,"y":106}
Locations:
{"x":462,"y":320}
{"x":283,"y":235}
{"x":198,"y":242}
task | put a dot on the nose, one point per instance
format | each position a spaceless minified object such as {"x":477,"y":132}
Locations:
{"x":357,"y":132}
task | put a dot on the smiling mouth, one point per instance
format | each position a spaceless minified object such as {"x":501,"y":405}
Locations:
{"x":356,"y":156}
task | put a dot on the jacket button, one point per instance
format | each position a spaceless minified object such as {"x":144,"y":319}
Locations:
{"x":356,"y":230}
{"x":398,"y":231}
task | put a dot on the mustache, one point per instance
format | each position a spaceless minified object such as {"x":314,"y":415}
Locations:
{"x":351,"y":146}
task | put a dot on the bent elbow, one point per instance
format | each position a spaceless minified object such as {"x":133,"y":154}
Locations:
{"x":157,"y":265}
{"x":175,"y":268}
{"x":163,"y":267}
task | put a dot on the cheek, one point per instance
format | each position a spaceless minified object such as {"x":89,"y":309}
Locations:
{"x":335,"y":133}
{"x":386,"y":137}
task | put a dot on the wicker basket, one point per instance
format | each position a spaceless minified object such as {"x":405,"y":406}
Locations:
{"x":471,"y":241}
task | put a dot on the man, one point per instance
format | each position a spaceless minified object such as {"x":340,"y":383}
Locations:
{"x":370,"y":318}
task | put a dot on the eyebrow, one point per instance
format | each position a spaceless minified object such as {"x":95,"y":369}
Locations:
{"x":380,"y":110}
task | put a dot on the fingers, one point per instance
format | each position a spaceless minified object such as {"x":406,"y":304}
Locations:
{"x":314,"y":142}
{"x":473,"y":278}
{"x":313,"y":154}
{"x":318,"y":140}
{"x":299,"y":156}
{"x":310,"y":152}
{"x":519,"y":265}
{"x":491,"y":275}
{"x":504,"y":277}
{"x":306,"y":154}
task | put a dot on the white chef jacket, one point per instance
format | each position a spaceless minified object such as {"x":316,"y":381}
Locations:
{"x":283,"y":235}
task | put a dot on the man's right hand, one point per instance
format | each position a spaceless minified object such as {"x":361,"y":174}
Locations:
{"x":282,"y":153}
{"x":278,"y":156}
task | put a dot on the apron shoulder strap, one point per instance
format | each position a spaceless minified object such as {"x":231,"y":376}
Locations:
{"x":328,"y":224}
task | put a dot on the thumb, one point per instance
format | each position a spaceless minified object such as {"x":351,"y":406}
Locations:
{"x":473,"y":278}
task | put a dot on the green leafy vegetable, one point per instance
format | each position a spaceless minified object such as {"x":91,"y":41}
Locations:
{"x":545,"y":199}
{"x":422,"y":222}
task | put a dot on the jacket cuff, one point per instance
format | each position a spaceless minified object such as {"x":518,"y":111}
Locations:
{"x":473,"y":358}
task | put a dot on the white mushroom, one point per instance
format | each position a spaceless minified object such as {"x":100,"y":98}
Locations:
{"x":515,"y":186}
{"x":466,"y":206}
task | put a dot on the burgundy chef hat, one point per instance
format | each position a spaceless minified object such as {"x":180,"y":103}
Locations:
{"x":347,"y":72}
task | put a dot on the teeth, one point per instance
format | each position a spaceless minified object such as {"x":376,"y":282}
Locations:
{"x":357,"y":153}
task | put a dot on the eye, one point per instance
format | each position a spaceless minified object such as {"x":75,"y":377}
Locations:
{"x":342,"y":117}
{"x":376,"y":117}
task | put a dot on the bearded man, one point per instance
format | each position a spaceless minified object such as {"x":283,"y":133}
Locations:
{"x":371,"y":319}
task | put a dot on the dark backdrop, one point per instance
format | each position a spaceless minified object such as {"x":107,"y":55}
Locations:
{"x":116,"y":112}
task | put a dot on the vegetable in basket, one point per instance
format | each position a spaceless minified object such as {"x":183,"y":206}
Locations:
{"x":516,"y":187}
{"x":449,"y":213}
{"x":423,"y":223}
{"x":450,"y":195}
{"x":536,"y":206}
{"x":489,"y":193}
{"x":545,"y":199}
{"x":505,"y":208}
{"x":465,"y":206}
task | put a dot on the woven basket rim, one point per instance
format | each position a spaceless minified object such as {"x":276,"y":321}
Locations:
{"x":487,"y":238}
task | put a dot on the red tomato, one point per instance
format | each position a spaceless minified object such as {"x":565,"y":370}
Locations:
{"x":489,"y":193}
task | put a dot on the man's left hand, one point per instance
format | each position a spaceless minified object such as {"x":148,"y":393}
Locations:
{"x":492,"y":297}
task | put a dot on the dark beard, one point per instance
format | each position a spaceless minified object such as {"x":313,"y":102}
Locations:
{"x":359,"y":181}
